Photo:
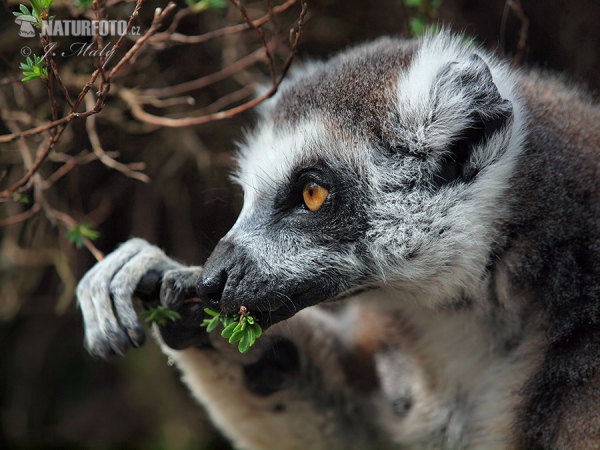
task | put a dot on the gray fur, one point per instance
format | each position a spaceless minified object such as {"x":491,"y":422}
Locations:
{"x":463,"y":216}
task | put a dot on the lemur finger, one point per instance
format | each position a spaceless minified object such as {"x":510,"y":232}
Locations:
{"x":124,"y":283}
{"x":103,"y":334}
{"x":177,"y":285}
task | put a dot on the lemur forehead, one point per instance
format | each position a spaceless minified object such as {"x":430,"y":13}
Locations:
{"x":354,"y":89}
{"x":273,"y":154}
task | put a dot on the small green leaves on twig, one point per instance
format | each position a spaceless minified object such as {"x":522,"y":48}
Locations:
{"x":201,"y":5}
{"x":241,"y":327}
{"x":34,"y":68}
{"x":26,"y":15}
{"x":79,"y":232}
{"x":160,"y":315}
{"x":40,"y":10}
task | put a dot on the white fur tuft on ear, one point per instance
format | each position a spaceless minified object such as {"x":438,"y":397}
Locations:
{"x":447,"y":83}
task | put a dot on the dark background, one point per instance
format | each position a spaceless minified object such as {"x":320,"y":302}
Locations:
{"x":52,"y":394}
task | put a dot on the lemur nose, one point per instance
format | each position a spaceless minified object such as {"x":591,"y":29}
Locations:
{"x":210,"y":287}
{"x":212,"y":283}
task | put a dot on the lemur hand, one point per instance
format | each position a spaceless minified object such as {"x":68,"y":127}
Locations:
{"x":105,"y":295}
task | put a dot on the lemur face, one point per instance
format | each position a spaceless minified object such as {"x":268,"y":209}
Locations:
{"x":382,"y":167}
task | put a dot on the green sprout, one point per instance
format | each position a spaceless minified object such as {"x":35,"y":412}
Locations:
{"x":79,"y":232}
{"x":40,"y":9}
{"x":201,"y":5}
{"x":160,"y":315}
{"x":241,"y":327}
{"x":34,"y":68}
{"x":26,"y":15}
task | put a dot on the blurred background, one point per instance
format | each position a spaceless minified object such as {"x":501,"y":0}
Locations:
{"x":125,"y":174}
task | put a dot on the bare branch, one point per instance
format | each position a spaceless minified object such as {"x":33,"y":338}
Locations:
{"x":90,"y":126}
{"x":517,"y":8}
{"x":170,"y":35}
{"x":134,"y":102}
{"x":178,"y":89}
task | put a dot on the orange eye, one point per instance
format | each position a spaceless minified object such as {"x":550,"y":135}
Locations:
{"x":314,"y":196}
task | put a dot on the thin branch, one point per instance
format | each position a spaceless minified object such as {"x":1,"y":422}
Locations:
{"x":69,"y":223}
{"x":229,"y":99}
{"x":261,"y":34}
{"x":159,"y":16}
{"x":90,"y":126}
{"x":178,"y":89}
{"x":21,"y":217}
{"x":138,"y":112}
{"x":70,"y":163}
{"x":517,"y":8}
{"x":184,"y":39}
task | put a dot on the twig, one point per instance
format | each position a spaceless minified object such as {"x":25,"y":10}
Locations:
{"x":184,"y":39}
{"x":61,"y":124}
{"x":69,"y":164}
{"x":159,"y":16}
{"x":178,"y":89}
{"x":261,"y":34}
{"x":517,"y":8}
{"x":90,"y":126}
{"x":228,"y":99}
{"x":69,"y":223}
{"x":138,"y":112}
{"x":21,"y":216}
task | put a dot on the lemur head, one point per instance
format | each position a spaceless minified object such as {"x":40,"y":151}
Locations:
{"x":385,"y":166}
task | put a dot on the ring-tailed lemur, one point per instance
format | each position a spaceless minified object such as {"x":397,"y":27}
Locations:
{"x":456,"y":200}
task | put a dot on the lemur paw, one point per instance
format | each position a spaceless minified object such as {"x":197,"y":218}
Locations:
{"x":105,"y":296}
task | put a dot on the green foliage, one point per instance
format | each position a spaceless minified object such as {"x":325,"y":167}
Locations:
{"x":201,"y":5}
{"x":425,"y":12}
{"x":21,"y":198}
{"x":79,"y":232}
{"x":34,"y":68}
{"x":40,"y":10}
{"x":160,"y":315}
{"x":83,"y":3}
{"x":26,"y":15}
{"x":239,"y":328}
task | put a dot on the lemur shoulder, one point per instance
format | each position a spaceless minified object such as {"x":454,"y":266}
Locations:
{"x":450,"y":205}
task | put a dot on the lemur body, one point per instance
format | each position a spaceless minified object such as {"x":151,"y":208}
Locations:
{"x":460,"y":212}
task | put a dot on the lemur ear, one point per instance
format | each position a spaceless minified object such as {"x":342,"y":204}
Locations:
{"x":479,"y":110}
{"x":472,"y":81}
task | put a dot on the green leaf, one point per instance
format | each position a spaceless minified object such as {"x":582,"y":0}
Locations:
{"x":245,"y":343}
{"x":24,"y":10}
{"x":37,"y":9}
{"x":213,"y":324}
{"x":227,"y":320}
{"x":228,"y":330}
{"x":236,"y":336}
{"x":160,"y":315}
{"x":201,"y":5}
{"x":80,"y":231}
{"x":210,"y":312}
{"x":257,"y":330}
